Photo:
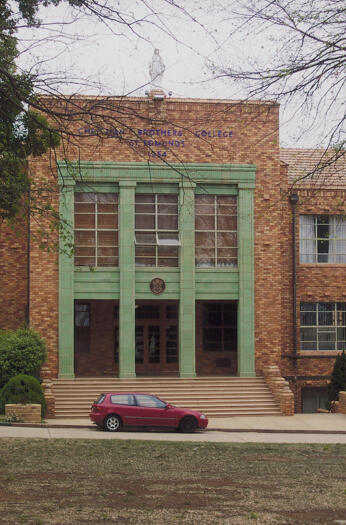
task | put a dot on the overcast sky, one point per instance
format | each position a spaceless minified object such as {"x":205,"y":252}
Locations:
{"x":115,"y":60}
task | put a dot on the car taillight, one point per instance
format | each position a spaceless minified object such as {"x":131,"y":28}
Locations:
{"x":95,"y":408}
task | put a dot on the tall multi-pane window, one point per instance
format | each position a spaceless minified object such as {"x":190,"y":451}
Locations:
{"x":216,"y":231}
{"x":156,"y":230}
{"x":81,"y":327}
{"x":219,"y":327}
{"x":96,"y":229}
{"x":323,"y":326}
{"x":322,"y":239}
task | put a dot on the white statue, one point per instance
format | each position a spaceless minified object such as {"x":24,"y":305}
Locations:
{"x":156,"y":69}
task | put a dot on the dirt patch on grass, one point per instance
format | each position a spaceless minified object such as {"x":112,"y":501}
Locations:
{"x":58,"y":482}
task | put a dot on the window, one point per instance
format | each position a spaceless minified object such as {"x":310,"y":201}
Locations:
{"x":323,"y":326}
{"x":149,"y":401}
{"x":96,"y":229}
{"x":314,"y":398}
{"x":322,"y":239}
{"x":81,"y":327}
{"x":219,"y":321}
{"x":122,"y":399}
{"x":100,"y":399}
{"x":216,"y":231}
{"x":82,"y":315}
{"x":172,"y":344}
{"x":156,"y":230}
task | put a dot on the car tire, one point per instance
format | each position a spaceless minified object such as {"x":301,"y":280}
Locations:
{"x":112,"y":423}
{"x":188,"y":424}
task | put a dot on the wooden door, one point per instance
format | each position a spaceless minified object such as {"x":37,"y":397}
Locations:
{"x":156,"y":337}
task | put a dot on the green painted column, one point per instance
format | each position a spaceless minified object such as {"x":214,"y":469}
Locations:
{"x":246,"y":305}
{"x":127,"y":364}
{"x":66,"y":284}
{"x":187,"y":344}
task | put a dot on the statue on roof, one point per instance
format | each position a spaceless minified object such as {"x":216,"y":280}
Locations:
{"x":156,"y":70}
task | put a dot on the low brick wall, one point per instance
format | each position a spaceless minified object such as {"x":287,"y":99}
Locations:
{"x":25,"y":413}
{"x":342,"y":402}
{"x":280,"y":389}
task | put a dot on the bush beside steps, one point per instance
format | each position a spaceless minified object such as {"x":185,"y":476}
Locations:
{"x":23,"y":389}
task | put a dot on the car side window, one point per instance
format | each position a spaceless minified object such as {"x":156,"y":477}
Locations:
{"x":149,"y":401}
{"x":122,"y":399}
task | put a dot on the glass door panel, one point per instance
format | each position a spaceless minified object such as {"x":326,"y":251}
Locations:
{"x":172,"y":344}
{"x":139,"y":344}
{"x":154,"y":344}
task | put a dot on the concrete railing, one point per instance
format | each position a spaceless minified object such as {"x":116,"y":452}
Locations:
{"x":280,"y":389}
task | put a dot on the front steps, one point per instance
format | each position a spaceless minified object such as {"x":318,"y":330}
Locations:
{"x":214,"y":396}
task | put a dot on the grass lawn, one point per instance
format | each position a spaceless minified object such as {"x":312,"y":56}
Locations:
{"x":141,"y":482}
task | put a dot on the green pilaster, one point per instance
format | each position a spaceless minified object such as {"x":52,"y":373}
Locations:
{"x":187,"y":356}
{"x":66,"y":289}
{"x":246,"y":305}
{"x":127,"y":365}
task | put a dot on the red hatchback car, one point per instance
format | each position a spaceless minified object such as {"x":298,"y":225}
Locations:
{"x":111,"y":411}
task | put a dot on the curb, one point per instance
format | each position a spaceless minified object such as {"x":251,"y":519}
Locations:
{"x":242,"y":430}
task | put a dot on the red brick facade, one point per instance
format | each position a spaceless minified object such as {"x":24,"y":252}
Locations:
{"x":13,"y":275}
{"x":254,"y":140}
{"x":315,"y":282}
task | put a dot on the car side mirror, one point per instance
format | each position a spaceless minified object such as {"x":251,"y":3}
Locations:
{"x":168,"y":406}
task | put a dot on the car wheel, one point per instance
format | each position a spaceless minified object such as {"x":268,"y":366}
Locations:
{"x":188,"y":424}
{"x":112,"y":423}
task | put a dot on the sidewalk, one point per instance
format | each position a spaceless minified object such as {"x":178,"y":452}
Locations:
{"x":299,"y":423}
{"x":301,"y":428}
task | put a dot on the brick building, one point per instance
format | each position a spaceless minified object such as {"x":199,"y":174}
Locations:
{"x":182,"y":217}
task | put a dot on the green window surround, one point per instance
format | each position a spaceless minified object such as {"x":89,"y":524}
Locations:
{"x":130,"y":179}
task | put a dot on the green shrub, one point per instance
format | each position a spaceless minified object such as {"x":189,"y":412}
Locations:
{"x":338,"y":377}
{"x":22,"y":351}
{"x":23,"y":389}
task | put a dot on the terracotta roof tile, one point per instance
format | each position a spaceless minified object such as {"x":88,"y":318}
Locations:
{"x":314,"y":167}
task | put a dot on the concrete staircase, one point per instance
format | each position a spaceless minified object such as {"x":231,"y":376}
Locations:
{"x":214,"y":396}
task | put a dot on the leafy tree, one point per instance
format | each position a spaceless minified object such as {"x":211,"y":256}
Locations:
{"x":22,"y":351}
{"x":31,"y":124}
{"x":338,"y":377}
{"x":23,"y":389}
{"x":23,"y":132}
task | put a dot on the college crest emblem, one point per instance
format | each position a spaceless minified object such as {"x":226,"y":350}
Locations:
{"x":157,"y":285}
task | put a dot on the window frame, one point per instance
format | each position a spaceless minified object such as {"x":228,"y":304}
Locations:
{"x":96,"y":229}
{"x":337,"y":314}
{"x":222,"y":327}
{"x":216,"y":231}
{"x":157,"y":232}
{"x":321,"y":239}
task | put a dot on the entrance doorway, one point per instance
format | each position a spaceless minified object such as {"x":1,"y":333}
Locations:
{"x":156,"y":344}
